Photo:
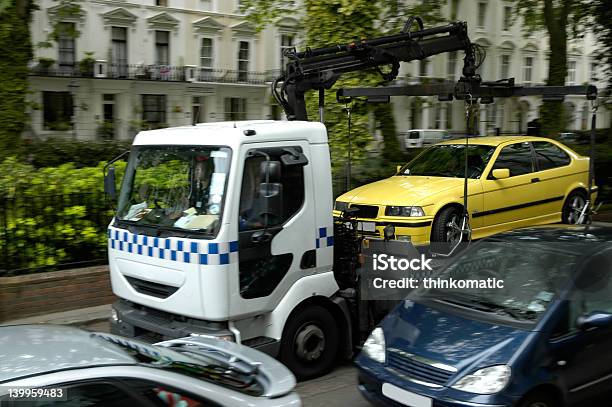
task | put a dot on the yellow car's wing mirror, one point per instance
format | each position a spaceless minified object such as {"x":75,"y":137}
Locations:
{"x":501,"y":173}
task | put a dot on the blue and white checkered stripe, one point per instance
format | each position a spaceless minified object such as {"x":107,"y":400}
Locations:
{"x":175,"y":249}
{"x":324,"y":239}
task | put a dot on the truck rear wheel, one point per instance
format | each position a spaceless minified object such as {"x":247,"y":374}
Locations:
{"x":310,"y":343}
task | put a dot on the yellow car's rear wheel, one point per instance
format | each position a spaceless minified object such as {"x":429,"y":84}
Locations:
{"x":573,"y":207}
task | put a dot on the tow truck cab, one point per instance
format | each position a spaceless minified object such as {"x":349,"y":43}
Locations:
{"x":226,"y":229}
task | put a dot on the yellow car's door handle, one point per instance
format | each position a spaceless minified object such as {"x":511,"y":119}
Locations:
{"x":535,"y":179}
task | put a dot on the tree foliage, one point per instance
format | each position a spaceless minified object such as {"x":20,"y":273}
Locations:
{"x":601,"y":11}
{"x":16,"y":53}
{"x":331,"y":22}
{"x":562,"y":20}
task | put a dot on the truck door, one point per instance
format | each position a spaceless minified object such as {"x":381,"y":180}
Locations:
{"x":275,"y":226}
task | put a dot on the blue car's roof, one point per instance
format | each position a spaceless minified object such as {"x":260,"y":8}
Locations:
{"x":574,"y":238}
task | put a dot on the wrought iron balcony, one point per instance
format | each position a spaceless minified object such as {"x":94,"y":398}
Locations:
{"x":143,"y":72}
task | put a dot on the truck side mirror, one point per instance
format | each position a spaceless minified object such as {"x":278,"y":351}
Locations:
{"x":109,"y":183}
{"x":294,"y":157}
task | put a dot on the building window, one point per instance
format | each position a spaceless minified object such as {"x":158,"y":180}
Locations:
{"x":501,"y":117}
{"x":66,"y":45}
{"x":243,"y":61}
{"x":154,"y":110}
{"x":119,"y":52}
{"x":197,"y":115}
{"x":162,"y":47}
{"x":571,"y":72}
{"x":528,"y":70}
{"x":452,"y":65}
{"x":482,"y":14}
{"x":423,"y":67}
{"x":594,"y":72}
{"x":235,"y":109}
{"x":482,"y":68}
{"x":206,"y":54}
{"x":505,"y":66}
{"x":287,"y":43}
{"x":107,"y":128}
{"x":507,"y":22}
{"x":438,"y":116}
{"x":57,"y":111}
{"x":163,"y":3}
{"x":206,"y":5}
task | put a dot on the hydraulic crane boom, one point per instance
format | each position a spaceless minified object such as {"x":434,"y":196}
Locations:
{"x":319,"y":69}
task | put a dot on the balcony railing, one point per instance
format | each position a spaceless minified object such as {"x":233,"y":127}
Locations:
{"x":188,"y":73}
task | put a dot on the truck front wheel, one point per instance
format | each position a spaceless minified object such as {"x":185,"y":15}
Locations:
{"x":310,"y":343}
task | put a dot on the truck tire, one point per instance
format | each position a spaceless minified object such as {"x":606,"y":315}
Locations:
{"x":310,"y":343}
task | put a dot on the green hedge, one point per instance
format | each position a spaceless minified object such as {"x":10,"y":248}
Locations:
{"x":54,"y":152}
{"x":52,"y":216}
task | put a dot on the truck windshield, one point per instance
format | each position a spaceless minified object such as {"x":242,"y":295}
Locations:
{"x":449,"y":161}
{"x":176,"y":187}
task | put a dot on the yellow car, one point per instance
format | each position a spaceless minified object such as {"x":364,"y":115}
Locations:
{"x":513,"y":182}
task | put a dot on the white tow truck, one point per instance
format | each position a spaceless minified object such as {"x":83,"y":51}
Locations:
{"x":226,"y":229}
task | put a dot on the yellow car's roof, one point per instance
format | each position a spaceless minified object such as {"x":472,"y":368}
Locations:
{"x":494,"y":140}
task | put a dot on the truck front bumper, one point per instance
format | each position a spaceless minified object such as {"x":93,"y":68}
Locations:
{"x":152,"y":325}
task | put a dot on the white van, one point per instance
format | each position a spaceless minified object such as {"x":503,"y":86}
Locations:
{"x":418,"y":138}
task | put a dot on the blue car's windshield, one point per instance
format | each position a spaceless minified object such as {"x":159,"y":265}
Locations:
{"x":533,"y":274}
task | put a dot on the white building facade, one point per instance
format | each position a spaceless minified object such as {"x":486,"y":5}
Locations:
{"x":139,"y":64}
{"x":511,"y":52}
{"x":150,"y":63}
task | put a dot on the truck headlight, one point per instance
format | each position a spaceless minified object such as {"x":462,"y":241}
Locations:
{"x":488,"y":380}
{"x":404,"y":211}
{"x":341,"y":206}
{"x":374,"y":346}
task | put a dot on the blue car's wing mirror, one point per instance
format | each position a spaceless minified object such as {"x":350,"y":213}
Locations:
{"x":594,"y":320}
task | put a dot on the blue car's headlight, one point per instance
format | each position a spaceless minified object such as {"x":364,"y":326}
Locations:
{"x":374,"y":346}
{"x":404,"y":211}
{"x":488,"y":380}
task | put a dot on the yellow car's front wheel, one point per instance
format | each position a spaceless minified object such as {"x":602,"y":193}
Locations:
{"x":446,"y":227}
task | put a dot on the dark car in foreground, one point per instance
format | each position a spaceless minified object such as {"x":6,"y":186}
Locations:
{"x":543,"y":340}
{"x":48,"y":365}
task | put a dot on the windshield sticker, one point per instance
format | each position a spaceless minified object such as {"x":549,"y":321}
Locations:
{"x":217,"y":183}
{"x":218,"y":154}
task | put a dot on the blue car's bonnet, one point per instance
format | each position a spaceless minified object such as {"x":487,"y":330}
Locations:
{"x":450,"y":339}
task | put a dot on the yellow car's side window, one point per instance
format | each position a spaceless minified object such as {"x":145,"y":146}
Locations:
{"x":517,"y":158}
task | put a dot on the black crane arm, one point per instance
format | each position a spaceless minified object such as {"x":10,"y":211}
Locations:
{"x":319,"y":69}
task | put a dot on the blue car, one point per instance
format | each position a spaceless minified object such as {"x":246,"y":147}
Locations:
{"x":543,"y":340}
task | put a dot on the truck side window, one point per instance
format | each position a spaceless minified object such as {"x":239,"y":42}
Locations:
{"x":287,"y":182}
{"x":271,"y":194}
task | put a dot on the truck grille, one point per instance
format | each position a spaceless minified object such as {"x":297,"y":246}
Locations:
{"x":150,"y":288}
{"x":414,"y":367}
{"x":366,"y":211}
